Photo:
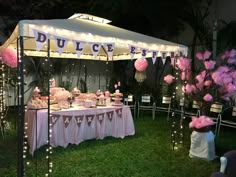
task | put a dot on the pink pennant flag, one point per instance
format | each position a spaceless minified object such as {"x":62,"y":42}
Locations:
{"x":89,"y":119}
{"x":100,"y":117}
{"x":119,"y":112}
{"x":66,"y":120}
{"x":54,"y":118}
{"x":110,"y":115}
{"x":79,"y":119}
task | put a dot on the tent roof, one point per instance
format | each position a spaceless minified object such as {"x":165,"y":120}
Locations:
{"x":88,"y":31}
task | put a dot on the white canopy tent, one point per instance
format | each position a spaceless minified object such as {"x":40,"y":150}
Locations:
{"x":88,"y":29}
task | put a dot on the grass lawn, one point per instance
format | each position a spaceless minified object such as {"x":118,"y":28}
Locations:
{"x":146,"y":154}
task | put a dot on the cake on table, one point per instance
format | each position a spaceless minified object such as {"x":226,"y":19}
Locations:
{"x":117,"y":98}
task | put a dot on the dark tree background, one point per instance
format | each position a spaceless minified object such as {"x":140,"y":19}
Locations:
{"x":165,"y":19}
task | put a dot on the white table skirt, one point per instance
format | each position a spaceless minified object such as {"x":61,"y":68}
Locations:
{"x":75,"y":125}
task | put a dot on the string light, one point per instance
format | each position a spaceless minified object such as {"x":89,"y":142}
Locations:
{"x":2,"y":99}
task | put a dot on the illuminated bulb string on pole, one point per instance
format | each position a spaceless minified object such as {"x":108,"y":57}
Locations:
{"x":176,"y":130}
{"x":2,"y":99}
{"x":49,"y":147}
{"x":173,"y":106}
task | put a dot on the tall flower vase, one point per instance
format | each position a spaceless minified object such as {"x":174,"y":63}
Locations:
{"x":202,"y":138}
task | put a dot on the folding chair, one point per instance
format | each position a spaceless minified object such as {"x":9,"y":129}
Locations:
{"x":146,"y":103}
{"x":166,"y":102}
{"x":195,"y":110}
{"x":228,"y":122}
{"x":131,"y":102}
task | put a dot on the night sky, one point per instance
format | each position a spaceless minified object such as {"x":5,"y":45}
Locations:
{"x":171,"y":20}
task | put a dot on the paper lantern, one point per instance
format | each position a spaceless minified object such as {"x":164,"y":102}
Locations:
{"x":140,"y":76}
{"x":140,"y":64}
{"x":9,"y":57}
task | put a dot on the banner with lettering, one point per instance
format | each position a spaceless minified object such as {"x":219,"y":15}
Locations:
{"x":89,"y":119}
{"x":66,"y":120}
{"x":119,"y":112}
{"x":110,"y":115}
{"x":163,"y":57}
{"x":95,"y":47}
{"x":109,"y":47}
{"x":100,"y":117}
{"x":79,"y":119}
{"x":61,"y":43}
{"x":79,"y":47}
{"x":132,"y":51}
{"x":144,"y":53}
{"x":40,"y":39}
{"x":154,"y":56}
{"x":54,"y":118}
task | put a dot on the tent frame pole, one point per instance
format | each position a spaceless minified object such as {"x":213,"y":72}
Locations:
{"x":21,"y":107}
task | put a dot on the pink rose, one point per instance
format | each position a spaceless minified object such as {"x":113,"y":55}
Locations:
{"x":208,"y":97}
{"x":169,"y":79}
{"x":209,"y":64}
{"x":207,"y":82}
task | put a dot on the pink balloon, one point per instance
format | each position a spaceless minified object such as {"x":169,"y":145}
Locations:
{"x":9,"y":57}
{"x":140,"y":64}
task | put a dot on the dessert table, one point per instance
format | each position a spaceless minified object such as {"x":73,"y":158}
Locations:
{"x":77,"y":124}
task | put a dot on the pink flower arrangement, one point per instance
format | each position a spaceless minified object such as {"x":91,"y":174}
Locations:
{"x":212,"y":83}
{"x":200,"y":122}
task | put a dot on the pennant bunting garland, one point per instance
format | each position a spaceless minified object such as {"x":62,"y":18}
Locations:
{"x":79,"y":119}
{"x":110,"y":115}
{"x":79,"y":46}
{"x":119,"y":112}
{"x":54,"y":118}
{"x":95,"y":47}
{"x":66,"y":120}
{"x":40,"y":39}
{"x":100,"y":117}
{"x":60,"y":43}
{"x":132,"y":51}
{"x":89,"y":119}
{"x":109,"y":48}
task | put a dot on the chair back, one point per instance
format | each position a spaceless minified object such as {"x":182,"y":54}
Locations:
{"x":234,"y":111}
{"x":146,"y":99}
{"x":166,"y":100}
{"x":216,"y":108}
{"x":195,"y":105}
{"x":129,"y":100}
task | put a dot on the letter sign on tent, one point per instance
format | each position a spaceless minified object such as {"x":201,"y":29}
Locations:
{"x":40,"y":38}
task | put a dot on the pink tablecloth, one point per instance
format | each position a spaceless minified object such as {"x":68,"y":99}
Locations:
{"x":75,"y":125}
